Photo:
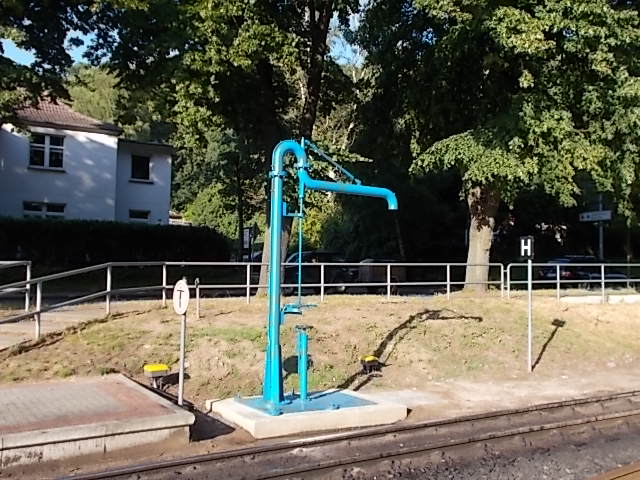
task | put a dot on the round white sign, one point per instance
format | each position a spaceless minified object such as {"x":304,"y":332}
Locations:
{"x":181,"y":297}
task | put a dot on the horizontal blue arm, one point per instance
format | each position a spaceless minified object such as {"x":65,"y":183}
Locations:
{"x":349,"y":189}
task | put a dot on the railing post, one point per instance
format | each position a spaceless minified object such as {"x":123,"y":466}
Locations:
{"x":27,"y":293}
{"x":602,"y":282}
{"x":448,"y":281}
{"x":388,"y":281}
{"x":558,"y":282}
{"x":248,"y":278}
{"x":108,"y":296}
{"x":38,"y":307}
{"x":197,"y":284}
{"x":501,"y":280}
{"x":322,"y":282}
{"x":164,"y":285}
{"x":509,"y":282}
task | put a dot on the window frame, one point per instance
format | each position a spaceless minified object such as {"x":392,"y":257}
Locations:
{"x":133,"y":178}
{"x":47,"y":149}
{"x":139,"y":219}
{"x":43,"y":209}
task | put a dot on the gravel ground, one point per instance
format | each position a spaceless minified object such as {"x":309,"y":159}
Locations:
{"x":582,"y":455}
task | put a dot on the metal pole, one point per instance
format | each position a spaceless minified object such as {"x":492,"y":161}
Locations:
{"x":38,"y":307}
{"x":448,"y":281}
{"x":530,"y":298}
{"x":108,"y":296}
{"x":302,"y":360}
{"x":322,"y":282}
{"x":248,"y":279}
{"x":197,"y":283}
{"x":501,"y":281}
{"x":600,"y":232}
{"x":388,"y":281}
{"x":164,"y":285}
{"x":602,"y":282}
{"x":508,"y":282}
{"x":183,"y":333}
{"x":558,"y":282}
{"x":27,"y":293}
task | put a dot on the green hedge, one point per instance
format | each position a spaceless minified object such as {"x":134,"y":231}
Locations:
{"x":75,"y":243}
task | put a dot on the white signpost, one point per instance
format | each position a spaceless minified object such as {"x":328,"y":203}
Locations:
{"x":526,"y":252}
{"x":598,"y":216}
{"x":180,"y":305}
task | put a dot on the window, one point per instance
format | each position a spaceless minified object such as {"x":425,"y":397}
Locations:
{"x":139,"y":167}
{"x":46,"y":151}
{"x":43,"y":209}
{"x":139,"y":215}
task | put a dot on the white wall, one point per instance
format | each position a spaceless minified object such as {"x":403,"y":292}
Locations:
{"x":153,"y":196}
{"x":87,"y":186}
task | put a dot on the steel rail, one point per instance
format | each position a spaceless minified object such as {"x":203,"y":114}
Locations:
{"x":428,"y":436}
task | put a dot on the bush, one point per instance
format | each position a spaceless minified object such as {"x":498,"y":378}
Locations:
{"x":76,"y":243}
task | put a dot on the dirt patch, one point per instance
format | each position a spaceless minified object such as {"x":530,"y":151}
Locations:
{"x":419,"y":340}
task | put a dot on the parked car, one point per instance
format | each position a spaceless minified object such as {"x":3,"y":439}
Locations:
{"x":311,"y":274}
{"x":568,"y":272}
{"x":577,"y":268}
{"x":372,"y":272}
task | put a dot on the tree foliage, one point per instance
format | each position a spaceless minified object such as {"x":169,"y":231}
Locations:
{"x":515,"y":94}
{"x":44,"y":28}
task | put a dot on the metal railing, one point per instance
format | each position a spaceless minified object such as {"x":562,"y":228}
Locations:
{"x":580,"y":275}
{"x":6,"y":264}
{"x":387,"y":277}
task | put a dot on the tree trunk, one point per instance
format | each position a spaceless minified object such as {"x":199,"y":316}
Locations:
{"x":319,"y":19}
{"x":399,"y":238}
{"x":240,"y":207}
{"x":483,"y":206}
{"x":320,"y":12}
{"x":271,"y":137}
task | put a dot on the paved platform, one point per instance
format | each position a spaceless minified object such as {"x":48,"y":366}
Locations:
{"x":365,"y":411}
{"x":47,"y":421}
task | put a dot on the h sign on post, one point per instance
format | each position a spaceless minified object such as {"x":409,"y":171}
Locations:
{"x":526,"y":253}
{"x":526,"y":247}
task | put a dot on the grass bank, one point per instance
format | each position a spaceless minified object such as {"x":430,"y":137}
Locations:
{"x":419,"y":339}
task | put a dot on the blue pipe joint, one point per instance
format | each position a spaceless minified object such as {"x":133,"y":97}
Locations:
{"x":303,"y":360}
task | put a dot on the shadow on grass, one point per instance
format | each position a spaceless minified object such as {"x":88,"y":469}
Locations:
{"x":396,"y":335}
{"x":557,"y":324}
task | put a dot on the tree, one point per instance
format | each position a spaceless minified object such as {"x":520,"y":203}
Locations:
{"x":44,"y":28}
{"x":513,"y":95}
{"x":251,"y":67}
{"x":94,"y":92}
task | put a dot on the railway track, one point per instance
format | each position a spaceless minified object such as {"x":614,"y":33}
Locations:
{"x":319,"y":455}
{"x":628,"y":472}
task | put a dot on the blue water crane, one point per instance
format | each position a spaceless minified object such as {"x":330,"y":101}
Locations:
{"x":273,"y":400}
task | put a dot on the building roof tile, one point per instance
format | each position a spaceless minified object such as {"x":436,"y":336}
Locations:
{"x":57,"y":114}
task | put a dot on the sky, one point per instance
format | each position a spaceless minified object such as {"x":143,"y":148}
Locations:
{"x":340,"y":50}
{"x":24,"y":57}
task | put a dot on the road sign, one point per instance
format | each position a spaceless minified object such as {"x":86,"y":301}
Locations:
{"x":181,"y":297}
{"x":526,"y":247}
{"x":596,"y":216}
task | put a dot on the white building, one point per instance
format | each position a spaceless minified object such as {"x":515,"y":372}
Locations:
{"x":55,"y":162}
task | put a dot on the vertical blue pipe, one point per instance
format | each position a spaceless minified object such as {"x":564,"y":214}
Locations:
{"x":303,"y":362}
{"x":272,"y":392}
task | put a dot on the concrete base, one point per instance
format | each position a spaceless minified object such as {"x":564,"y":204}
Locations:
{"x":595,"y":299}
{"x":262,"y":425}
{"x":632,"y":298}
{"x":56,"y":422}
